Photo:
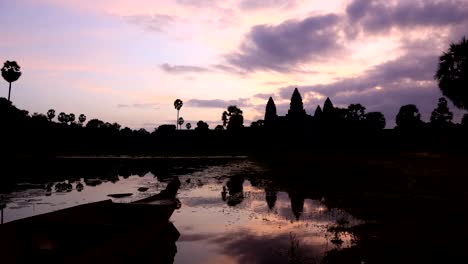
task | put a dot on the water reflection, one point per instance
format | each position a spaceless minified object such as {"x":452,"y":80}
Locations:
{"x":234,"y":218}
{"x":228,"y":213}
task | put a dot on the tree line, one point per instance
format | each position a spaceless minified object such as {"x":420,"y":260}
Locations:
{"x":451,"y":75}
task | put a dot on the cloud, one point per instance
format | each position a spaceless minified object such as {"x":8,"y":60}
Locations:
{"x":265,"y":96}
{"x":152,"y":106}
{"x":152,"y":23}
{"x":285,"y":47}
{"x":407,"y":69}
{"x":183,"y":69}
{"x":273,"y":83}
{"x":263,"y":4}
{"x":199,"y":3}
{"x":377,"y":16}
{"x":229,"y":69}
{"x":218,"y":103}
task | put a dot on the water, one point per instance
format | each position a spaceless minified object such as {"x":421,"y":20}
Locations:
{"x":225,"y":216}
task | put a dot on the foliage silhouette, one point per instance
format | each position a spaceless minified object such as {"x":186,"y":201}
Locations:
{"x":82,"y":119}
{"x":408,"y":117}
{"x":188,"y":126}
{"x":452,"y":73}
{"x":202,"y":126}
{"x":236,"y":119}
{"x":71,"y":118}
{"x":375,"y":120}
{"x":441,"y":117}
{"x":356,"y":112}
{"x":178,"y":105}
{"x":51,"y":114}
{"x":180,"y":122}
{"x":11,"y":72}
{"x":63,"y":118}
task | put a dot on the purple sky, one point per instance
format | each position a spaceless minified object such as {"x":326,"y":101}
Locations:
{"x":126,"y":61}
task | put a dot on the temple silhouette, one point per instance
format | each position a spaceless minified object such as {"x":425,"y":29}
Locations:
{"x":297,"y":117}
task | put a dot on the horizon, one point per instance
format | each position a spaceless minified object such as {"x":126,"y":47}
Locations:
{"x":127,"y":62}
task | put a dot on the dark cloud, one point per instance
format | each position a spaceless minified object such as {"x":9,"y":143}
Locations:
{"x":264,"y":4}
{"x":382,"y":15}
{"x":152,"y":106}
{"x":407,"y":69}
{"x":182,"y":69}
{"x":152,"y":23}
{"x":218,"y":103}
{"x":284,"y":47}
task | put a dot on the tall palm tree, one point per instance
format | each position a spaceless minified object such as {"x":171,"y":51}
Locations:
{"x":11,"y":72}
{"x":180,"y":122}
{"x":178,"y":105}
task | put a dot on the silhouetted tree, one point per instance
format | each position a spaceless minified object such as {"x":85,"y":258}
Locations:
{"x":219,"y":128}
{"x":355,"y":112}
{"x":270,"y":111}
{"x":178,"y":105}
{"x":202,"y":126}
{"x":224,"y":118}
{"x":375,"y":120}
{"x":441,"y":117}
{"x":188,"y":126}
{"x":51,"y":114}
{"x":95,"y":124}
{"x":164,"y":130}
{"x":71,"y":118}
{"x":257,"y":124}
{"x":452,"y":73}
{"x":408,"y":117}
{"x":296,"y":107}
{"x":236,"y":120}
{"x":63,"y":118}
{"x":82,"y":119}
{"x":11,"y":72}
{"x":180,"y":122}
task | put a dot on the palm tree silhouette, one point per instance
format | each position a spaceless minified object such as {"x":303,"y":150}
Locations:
{"x":71,"y":118}
{"x":180,"y":122}
{"x":188,"y":126}
{"x":82,"y":119}
{"x":452,"y":73}
{"x":178,"y":105}
{"x":63,"y":118}
{"x":51,"y":114}
{"x":11,"y":72}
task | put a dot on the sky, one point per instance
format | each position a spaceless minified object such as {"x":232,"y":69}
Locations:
{"x":126,"y":61}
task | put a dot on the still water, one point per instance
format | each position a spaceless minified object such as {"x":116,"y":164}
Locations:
{"x":228,"y":214}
